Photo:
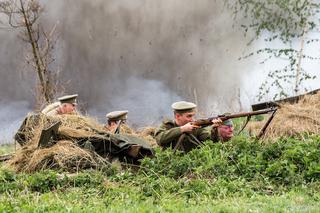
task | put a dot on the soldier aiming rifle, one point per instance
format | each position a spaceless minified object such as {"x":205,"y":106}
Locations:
{"x":184,"y":133}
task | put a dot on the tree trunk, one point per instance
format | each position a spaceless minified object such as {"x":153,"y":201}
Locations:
{"x":44,"y":79}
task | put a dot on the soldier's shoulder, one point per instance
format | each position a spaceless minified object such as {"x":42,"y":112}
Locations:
{"x":49,"y":109}
{"x":167,"y":124}
{"x":168,"y":121}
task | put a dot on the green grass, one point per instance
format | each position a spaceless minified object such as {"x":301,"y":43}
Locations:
{"x":125,"y":198}
{"x":6,"y":149}
{"x":242,"y":175}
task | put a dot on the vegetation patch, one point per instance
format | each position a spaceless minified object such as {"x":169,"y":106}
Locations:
{"x":241,"y":175}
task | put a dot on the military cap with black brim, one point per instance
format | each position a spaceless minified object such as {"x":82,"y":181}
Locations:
{"x":71,"y":99}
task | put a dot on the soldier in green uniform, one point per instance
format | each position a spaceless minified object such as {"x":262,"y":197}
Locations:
{"x":116,"y":123}
{"x":180,"y":133}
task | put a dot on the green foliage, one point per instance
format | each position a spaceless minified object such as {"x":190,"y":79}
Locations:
{"x":241,"y":175}
{"x":47,"y":181}
{"x":280,"y":79}
{"x":6,"y":149}
{"x":287,"y":163}
{"x":285,"y":21}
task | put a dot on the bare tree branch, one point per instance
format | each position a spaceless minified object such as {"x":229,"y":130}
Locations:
{"x":24,"y":15}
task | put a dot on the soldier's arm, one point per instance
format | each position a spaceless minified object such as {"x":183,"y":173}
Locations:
{"x":204,"y":134}
{"x":165,"y":135}
{"x":208,"y":133}
{"x":215,"y":134}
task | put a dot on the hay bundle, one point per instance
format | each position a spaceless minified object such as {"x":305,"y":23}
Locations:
{"x":31,"y":128}
{"x":82,"y":126}
{"x":294,"y":119}
{"x":126,"y":129}
{"x":68,"y":149}
{"x":75,"y":121}
{"x":63,"y":155}
{"x":78,"y":126}
{"x":76,"y":133}
{"x":147,"y":133}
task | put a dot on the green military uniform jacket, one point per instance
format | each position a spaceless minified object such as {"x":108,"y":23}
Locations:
{"x":168,"y":134}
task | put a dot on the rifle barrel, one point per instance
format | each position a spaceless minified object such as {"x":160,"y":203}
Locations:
{"x":208,"y":121}
{"x":245,"y":114}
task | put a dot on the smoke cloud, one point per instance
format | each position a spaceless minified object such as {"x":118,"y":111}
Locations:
{"x":11,"y":115}
{"x":138,"y":55}
{"x":189,"y":47}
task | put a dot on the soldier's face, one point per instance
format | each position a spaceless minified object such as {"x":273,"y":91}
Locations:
{"x":226,"y":132}
{"x":184,"y":118}
{"x":113,"y":125}
{"x":68,"y":108}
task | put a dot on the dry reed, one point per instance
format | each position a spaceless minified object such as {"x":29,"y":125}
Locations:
{"x":294,"y":119}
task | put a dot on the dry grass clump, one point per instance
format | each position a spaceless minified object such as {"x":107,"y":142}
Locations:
{"x":75,"y":121}
{"x":33,"y":127}
{"x":64,"y":155}
{"x":68,"y":132}
{"x":147,"y":133}
{"x":126,"y":129}
{"x":294,"y":119}
{"x":64,"y":151}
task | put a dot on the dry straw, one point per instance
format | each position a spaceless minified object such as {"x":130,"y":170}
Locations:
{"x":294,"y":120}
{"x":147,"y":134}
{"x":65,"y":153}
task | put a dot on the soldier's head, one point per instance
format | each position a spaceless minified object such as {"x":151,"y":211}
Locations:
{"x":113,"y":118}
{"x":226,"y":130}
{"x":184,"y":112}
{"x":68,"y":104}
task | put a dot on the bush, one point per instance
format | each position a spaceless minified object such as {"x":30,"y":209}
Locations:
{"x":240,"y":167}
{"x":288,"y":162}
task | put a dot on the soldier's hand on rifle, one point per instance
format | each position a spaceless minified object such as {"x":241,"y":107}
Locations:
{"x":188,"y":127}
{"x":216,"y":122}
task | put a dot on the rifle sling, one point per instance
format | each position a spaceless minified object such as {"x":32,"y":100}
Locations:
{"x":117,"y":130}
{"x":244,"y":126}
{"x":197,"y":142}
{"x":264,"y":128}
{"x":181,"y":138}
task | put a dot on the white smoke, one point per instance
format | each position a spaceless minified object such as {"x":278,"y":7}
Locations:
{"x":148,"y":102}
{"x":141,"y":56}
{"x":11,"y":115}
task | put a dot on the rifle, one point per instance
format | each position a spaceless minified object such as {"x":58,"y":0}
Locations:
{"x":277,"y":103}
{"x":208,"y":121}
{"x":117,"y":130}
